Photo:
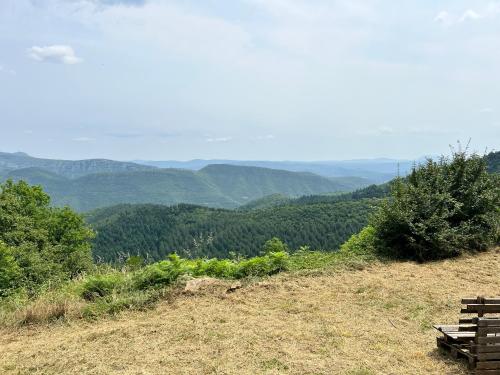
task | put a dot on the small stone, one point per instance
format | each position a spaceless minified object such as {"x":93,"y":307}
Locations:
{"x":234,"y":287}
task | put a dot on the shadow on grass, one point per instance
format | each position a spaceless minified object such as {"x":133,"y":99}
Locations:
{"x":443,"y":355}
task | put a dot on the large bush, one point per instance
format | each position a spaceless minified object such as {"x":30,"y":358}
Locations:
{"x":40,"y":243}
{"x":441,"y":209}
{"x":10,"y":272}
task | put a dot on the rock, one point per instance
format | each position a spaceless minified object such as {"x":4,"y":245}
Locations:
{"x":195,"y":285}
{"x":233,"y":287}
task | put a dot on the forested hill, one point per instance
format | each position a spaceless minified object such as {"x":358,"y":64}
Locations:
{"x":214,"y":186}
{"x":154,"y":231}
{"x":66,"y":168}
{"x":493,"y":160}
{"x":376,"y":170}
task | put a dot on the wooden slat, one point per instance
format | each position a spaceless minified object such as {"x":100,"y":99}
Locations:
{"x":485,"y":322}
{"x":491,"y":300}
{"x":466,"y":321}
{"x":485,"y":348}
{"x":488,"y":340}
{"x":487,"y":372}
{"x":488,"y":357}
{"x":462,"y":335}
{"x":490,"y":365}
{"x":483,"y":331}
{"x":456,"y":327}
{"x":475,"y":308}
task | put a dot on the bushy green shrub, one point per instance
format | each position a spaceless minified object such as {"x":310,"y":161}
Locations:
{"x":441,"y":209}
{"x":223,"y":268}
{"x":274,"y":245}
{"x":364,"y":243}
{"x":101,"y":285}
{"x":10,"y":273}
{"x":134,"y":262}
{"x":47,"y":243}
{"x":162,"y":273}
{"x":268,"y":264}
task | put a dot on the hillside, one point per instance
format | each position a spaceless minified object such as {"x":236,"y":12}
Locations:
{"x":214,"y":186}
{"x":493,"y":160}
{"x":266,"y":202}
{"x":373,"y":170}
{"x":66,"y":168}
{"x":156,"y":231}
{"x":354,"y":322}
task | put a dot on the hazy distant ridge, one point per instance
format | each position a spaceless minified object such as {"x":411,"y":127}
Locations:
{"x":375,"y":170}
{"x":225,"y":186}
{"x":66,"y":168}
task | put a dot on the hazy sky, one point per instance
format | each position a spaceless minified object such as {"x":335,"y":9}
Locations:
{"x":248,"y":79}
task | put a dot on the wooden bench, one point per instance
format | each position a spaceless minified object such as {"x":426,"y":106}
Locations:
{"x":478,"y":338}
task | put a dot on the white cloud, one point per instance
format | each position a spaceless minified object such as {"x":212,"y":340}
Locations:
{"x":381,"y":130}
{"x":447,"y":19}
{"x":6,"y":70}
{"x":385,"y":130}
{"x":83,"y":139}
{"x":219,"y":139}
{"x":486,"y":110}
{"x":444,"y":18}
{"x":470,"y":14}
{"x":267,"y":137}
{"x":57,"y":53}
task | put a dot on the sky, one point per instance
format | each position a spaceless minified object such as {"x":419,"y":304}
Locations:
{"x":248,"y":79}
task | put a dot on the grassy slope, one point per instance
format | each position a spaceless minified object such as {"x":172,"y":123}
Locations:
{"x":369,"y":321}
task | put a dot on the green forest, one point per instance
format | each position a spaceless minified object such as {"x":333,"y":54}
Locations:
{"x":153,"y":231}
{"x":125,"y":256}
{"x":222,"y":186}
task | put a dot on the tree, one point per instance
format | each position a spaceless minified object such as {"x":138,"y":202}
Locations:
{"x":44,"y":242}
{"x":10,"y":272}
{"x":441,"y":209}
{"x":274,"y":245}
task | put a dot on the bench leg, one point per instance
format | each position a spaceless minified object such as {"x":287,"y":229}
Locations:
{"x":454,"y":352}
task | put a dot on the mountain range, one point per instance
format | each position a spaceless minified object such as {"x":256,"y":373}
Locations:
{"x":95,"y":183}
{"x":375,"y":170}
{"x":66,"y":168}
{"x":89,"y":184}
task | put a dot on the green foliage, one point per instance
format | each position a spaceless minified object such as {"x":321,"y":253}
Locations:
{"x":266,"y":202}
{"x":166,"y":272}
{"x":45,"y":243}
{"x":493,"y":162}
{"x":196,"y":232}
{"x":162,"y":273}
{"x":443,"y":208}
{"x":269,"y":264}
{"x":274,"y":245}
{"x":219,"y":268}
{"x":66,"y":168}
{"x":109,"y":291}
{"x":134,"y":262}
{"x":362,"y":243}
{"x":101,"y":285}
{"x":10,"y":272}
{"x":222,"y":186}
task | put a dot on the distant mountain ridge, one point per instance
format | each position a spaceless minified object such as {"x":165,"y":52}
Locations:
{"x":66,"y":168}
{"x":376,"y":170}
{"x":89,"y":184}
{"x":219,"y":186}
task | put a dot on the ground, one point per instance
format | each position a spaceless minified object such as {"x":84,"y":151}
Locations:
{"x":375,"y":320}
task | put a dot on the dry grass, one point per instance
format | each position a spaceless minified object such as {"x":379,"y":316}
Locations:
{"x":371,"y":321}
